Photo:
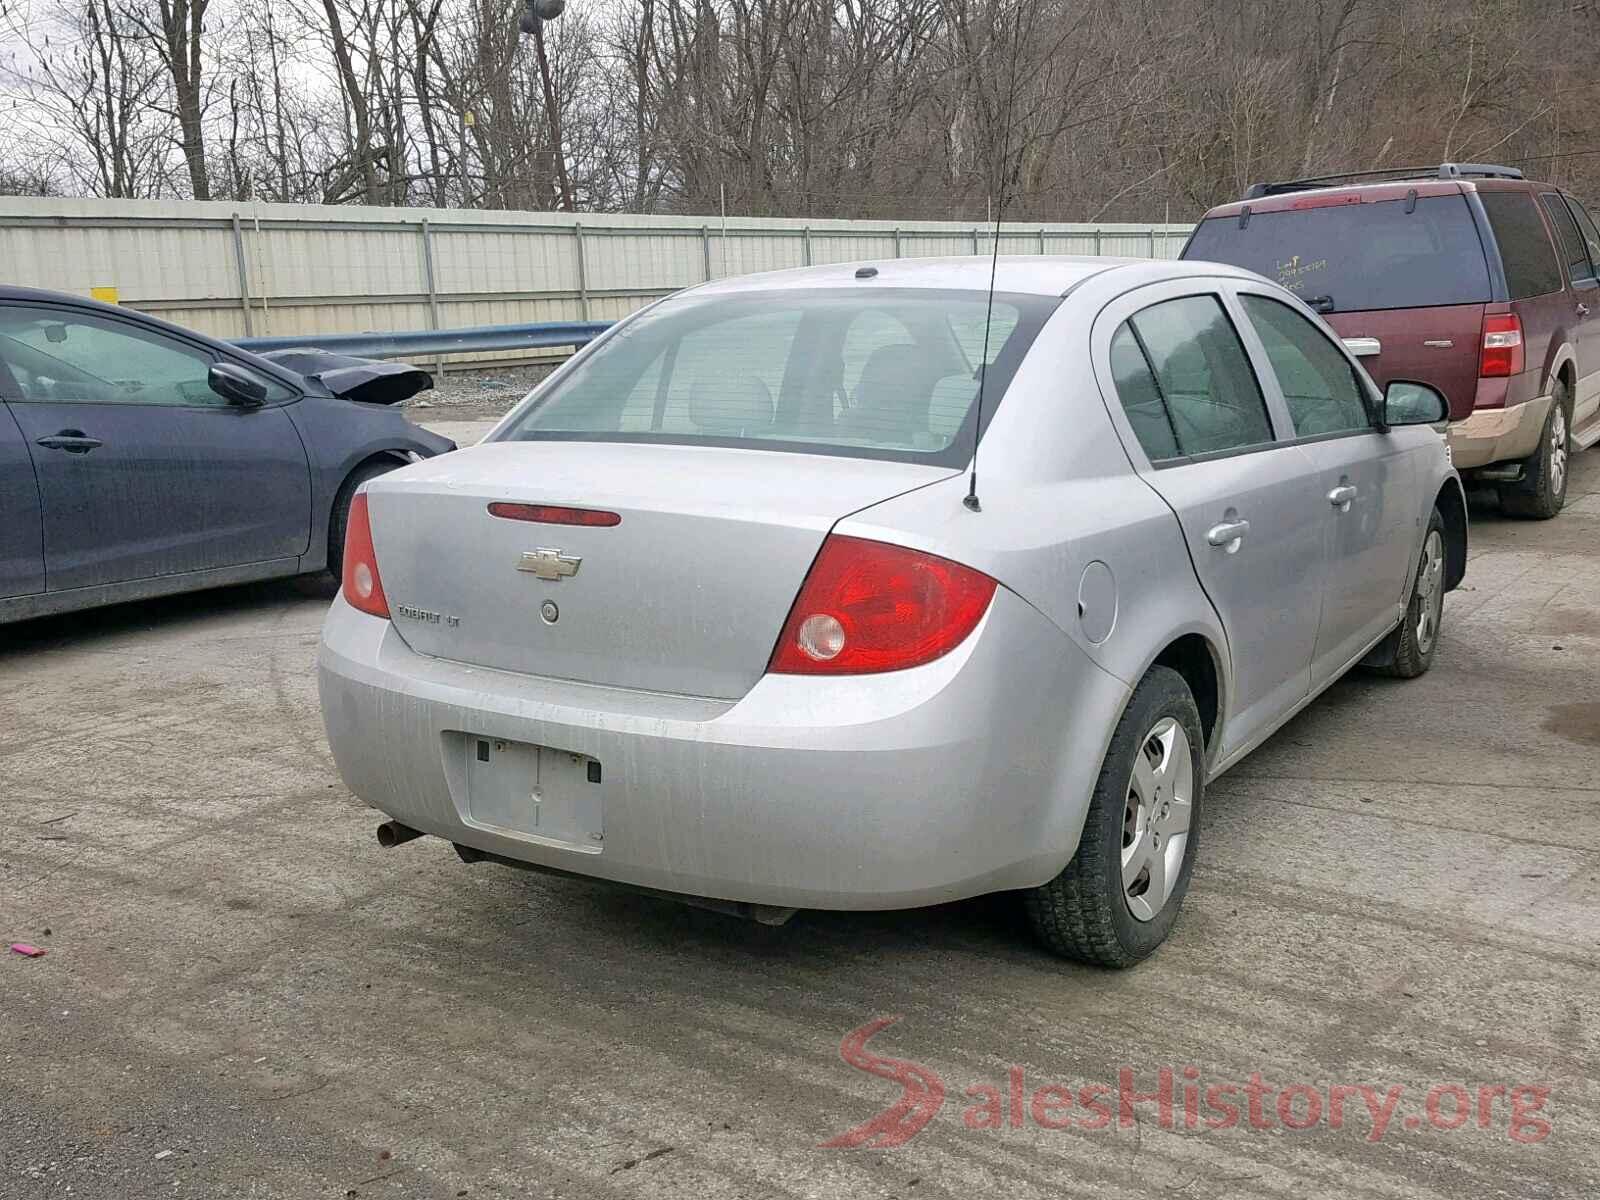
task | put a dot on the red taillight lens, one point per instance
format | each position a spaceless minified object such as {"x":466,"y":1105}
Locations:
{"x":552,"y":514}
{"x":869,"y":606}
{"x":363,"y":587}
{"x":1502,"y":346}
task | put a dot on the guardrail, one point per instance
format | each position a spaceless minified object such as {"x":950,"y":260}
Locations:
{"x":427,"y":343}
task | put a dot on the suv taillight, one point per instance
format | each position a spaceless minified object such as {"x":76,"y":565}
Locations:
{"x":1502,"y":346}
{"x":868,"y":606}
{"x":363,"y":587}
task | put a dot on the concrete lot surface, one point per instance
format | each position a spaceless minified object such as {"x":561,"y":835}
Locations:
{"x":244,"y":996}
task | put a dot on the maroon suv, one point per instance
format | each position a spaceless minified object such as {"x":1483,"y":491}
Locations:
{"x":1465,"y":276}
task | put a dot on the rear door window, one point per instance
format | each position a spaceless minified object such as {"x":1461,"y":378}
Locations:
{"x":1199,"y":371}
{"x":1573,"y":248}
{"x":1352,"y":257}
{"x":1525,"y":250}
{"x":1319,"y":385}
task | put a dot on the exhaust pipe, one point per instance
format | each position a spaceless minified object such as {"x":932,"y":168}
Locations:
{"x":392,"y":833}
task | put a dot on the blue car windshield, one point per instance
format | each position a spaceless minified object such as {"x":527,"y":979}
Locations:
{"x":865,"y":372}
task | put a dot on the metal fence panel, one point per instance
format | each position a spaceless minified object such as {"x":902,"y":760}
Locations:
{"x":271,"y":270}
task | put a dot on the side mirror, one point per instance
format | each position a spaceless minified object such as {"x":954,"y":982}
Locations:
{"x":236,"y":385}
{"x":1406,"y":402}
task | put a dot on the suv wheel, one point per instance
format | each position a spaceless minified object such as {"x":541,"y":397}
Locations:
{"x":1117,"y":899}
{"x":1543,"y":489}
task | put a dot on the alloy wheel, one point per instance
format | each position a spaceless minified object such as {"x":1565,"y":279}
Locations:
{"x":1558,"y":449}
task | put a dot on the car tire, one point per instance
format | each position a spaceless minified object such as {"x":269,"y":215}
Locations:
{"x":339,"y":518}
{"x":1088,"y":912}
{"x":1409,"y":650}
{"x":1543,"y":489}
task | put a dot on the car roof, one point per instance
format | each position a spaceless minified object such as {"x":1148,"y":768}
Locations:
{"x":1031,"y":274}
{"x":12,"y":292}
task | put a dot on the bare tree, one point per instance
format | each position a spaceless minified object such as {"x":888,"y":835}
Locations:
{"x":177,"y":34}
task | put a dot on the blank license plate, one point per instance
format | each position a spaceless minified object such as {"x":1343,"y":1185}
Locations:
{"x":536,"y":790}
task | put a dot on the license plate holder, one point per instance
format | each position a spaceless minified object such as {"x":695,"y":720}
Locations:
{"x":534,"y":791}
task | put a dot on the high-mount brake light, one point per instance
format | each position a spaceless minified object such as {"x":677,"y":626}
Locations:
{"x":553,"y":514}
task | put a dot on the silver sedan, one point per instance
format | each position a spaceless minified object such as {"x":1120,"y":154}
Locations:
{"x":861,"y":587}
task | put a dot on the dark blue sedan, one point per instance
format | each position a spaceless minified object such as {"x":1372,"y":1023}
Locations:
{"x":138,"y":458}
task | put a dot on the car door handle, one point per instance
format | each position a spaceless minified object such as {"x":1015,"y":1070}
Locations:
{"x":1363,"y":347}
{"x":72,"y":441}
{"x":1341,"y":496}
{"x":1583,"y":310}
{"x":1227,"y":533}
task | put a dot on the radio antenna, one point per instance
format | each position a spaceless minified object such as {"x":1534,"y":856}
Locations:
{"x":971,"y":499}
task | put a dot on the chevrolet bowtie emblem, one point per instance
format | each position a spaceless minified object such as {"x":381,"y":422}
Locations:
{"x":549,"y":564}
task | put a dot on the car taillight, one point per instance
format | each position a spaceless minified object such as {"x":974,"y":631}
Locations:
{"x":1502,"y":346}
{"x":363,"y":587}
{"x":868,"y":606}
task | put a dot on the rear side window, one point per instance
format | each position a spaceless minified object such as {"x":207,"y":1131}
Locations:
{"x":1572,"y":247}
{"x":1591,"y":236}
{"x":1351,"y":257}
{"x":1525,"y":250}
{"x":1319,"y":385}
{"x":1196,"y":369}
{"x":1141,"y":397}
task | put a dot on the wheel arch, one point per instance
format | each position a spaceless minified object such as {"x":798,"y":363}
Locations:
{"x":389,"y":458}
{"x":1452,"y":505}
{"x":1197,"y":659}
{"x":1563,"y":367}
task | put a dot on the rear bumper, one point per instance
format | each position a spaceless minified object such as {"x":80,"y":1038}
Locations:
{"x":1493,"y":435}
{"x":969,"y":775}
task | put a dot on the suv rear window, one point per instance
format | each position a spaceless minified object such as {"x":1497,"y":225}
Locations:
{"x":1525,"y":249}
{"x":1358,"y":256}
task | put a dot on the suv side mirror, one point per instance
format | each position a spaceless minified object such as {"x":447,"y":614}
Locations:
{"x":236,"y":385}
{"x":1406,"y":402}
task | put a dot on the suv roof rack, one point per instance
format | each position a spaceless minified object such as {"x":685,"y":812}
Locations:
{"x":1442,"y":171}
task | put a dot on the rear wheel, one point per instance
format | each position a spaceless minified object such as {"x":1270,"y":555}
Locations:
{"x":1117,"y":899}
{"x":1408,"y":651}
{"x":339,"y":518}
{"x":1543,"y":490}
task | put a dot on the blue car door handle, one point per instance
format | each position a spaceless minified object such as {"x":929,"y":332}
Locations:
{"x":72,"y":441}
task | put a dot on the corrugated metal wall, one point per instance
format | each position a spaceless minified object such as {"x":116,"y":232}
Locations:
{"x":275,"y":269}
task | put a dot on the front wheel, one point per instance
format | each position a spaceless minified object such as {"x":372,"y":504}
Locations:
{"x":1117,"y":899}
{"x":339,"y":518}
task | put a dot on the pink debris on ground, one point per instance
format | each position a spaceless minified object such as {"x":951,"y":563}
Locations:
{"x":26,"y":950}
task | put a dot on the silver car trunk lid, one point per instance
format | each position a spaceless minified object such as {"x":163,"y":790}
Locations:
{"x":686,"y":594}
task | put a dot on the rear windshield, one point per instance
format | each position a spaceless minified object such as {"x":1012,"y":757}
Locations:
{"x":864,"y":372}
{"x":1348,"y":257}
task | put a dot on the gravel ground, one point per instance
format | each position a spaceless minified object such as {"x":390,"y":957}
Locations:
{"x":476,"y":395}
{"x":244,"y":997}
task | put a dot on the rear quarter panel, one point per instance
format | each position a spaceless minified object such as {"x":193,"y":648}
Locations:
{"x":1058,"y":494}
